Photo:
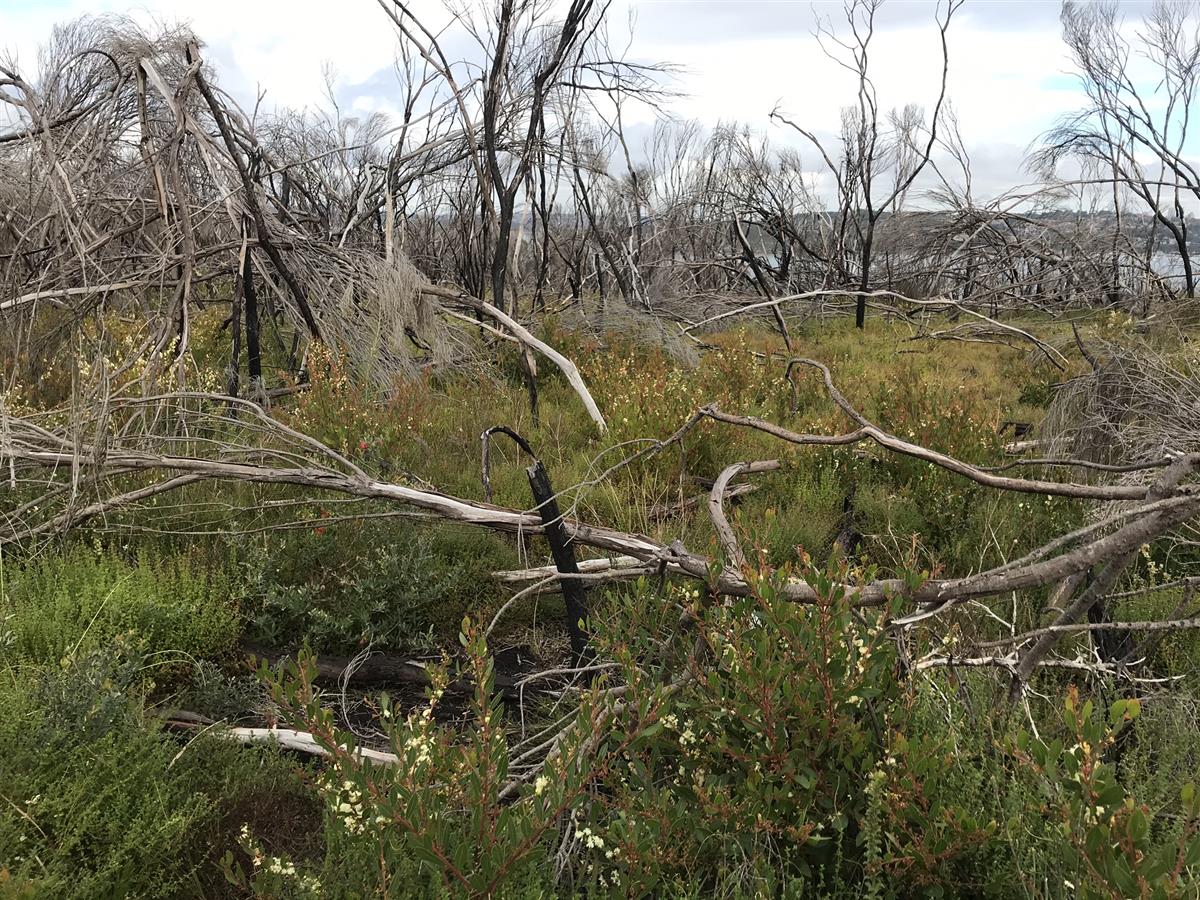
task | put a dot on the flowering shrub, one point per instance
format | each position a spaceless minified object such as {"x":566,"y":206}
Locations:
{"x":352,"y":417}
{"x":763,"y":760}
{"x":450,"y":804}
{"x":1114,"y":847}
{"x":782,"y":738}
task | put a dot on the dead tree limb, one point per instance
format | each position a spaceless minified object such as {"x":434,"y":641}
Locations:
{"x":1104,"y":581}
{"x":870,"y":431}
{"x":250,"y":196}
{"x":527,"y":339}
{"x":716,"y":508}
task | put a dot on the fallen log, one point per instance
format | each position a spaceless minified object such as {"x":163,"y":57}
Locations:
{"x":1013,"y":448}
{"x":375,"y":668}
{"x":287,"y":738}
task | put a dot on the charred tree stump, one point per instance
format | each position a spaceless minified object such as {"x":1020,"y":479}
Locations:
{"x":561,"y":550}
{"x":1112,"y":647}
{"x":848,"y":538}
{"x":573,"y":591}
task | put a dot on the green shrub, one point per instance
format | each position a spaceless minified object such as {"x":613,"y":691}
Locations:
{"x":435,"y":824}
{"x":341,"y":587}
{"x":783,"y":758}
{"x":210,"y":691}
{"x":792,"y":758}
{"x":1037,"y":393}
{"x":94,"y":804}
{"x":57,"y":605}
{"x":1112,"y":845}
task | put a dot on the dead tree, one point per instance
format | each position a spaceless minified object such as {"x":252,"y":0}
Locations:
{"x":1125,"y":122}
{"x":871,"y":142}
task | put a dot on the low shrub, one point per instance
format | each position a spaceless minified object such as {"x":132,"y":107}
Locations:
{"x":341,"y":587}
{"x":97,"y":804}
{"x":58,"y":605}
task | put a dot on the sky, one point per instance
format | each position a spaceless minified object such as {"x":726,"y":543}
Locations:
{"x":735,"y":60}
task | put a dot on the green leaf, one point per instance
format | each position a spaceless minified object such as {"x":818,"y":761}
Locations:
{"x":1159,"y":863}
{"x":426,"y":856}
{"x":1139,"y":826}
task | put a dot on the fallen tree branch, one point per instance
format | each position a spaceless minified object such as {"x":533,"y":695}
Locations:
{"x":1009,"y":662}
{"x":568,"y":368}
{"x":587,"y":569}
{"x":1113,"y":566}
{"x":716,"y":509}
{"x":291,"y":739}
{"x":1088,"y":627}
{"x":869,"y":431}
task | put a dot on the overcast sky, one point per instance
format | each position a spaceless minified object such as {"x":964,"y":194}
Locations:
{"x":738,"y":59}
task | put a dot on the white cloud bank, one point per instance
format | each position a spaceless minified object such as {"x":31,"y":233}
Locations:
{"x":738,"y":59}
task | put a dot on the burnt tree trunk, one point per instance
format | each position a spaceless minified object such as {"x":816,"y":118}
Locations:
{"x":250,"y":310}
{"x":573,"y":591}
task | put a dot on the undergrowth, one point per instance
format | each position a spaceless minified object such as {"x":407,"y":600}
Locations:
{"x":798,"y":761}
{"x":95,"y":802}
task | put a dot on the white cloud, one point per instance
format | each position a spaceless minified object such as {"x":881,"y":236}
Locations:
{"x":738,"y":59}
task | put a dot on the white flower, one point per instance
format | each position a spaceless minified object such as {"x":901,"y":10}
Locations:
{"x":541,"y":784}
{"x":279,"y":867}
